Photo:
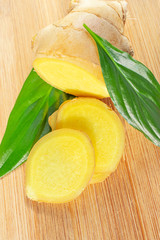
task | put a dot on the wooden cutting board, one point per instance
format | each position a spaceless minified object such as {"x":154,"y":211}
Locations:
{"x":127,"y":205}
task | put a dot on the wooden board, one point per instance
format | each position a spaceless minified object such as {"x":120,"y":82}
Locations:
{"x":127,"y":205}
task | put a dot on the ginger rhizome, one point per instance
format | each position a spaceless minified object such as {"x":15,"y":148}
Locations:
{"x":67,"y":56}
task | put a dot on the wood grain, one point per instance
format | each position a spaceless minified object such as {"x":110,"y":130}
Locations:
{"x":127,"y":205}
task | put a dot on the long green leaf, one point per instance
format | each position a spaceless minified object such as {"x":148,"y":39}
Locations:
{"x":28,"y":121}
{"x":132,"y":88}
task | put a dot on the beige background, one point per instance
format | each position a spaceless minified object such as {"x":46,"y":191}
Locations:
{"x":127,"y":205}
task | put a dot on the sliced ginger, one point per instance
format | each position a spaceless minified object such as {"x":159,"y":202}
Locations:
{"x":52,"y":120}
{"x":59,"y":166}
{"x":98,"y":177}
{"x":102,"y":125}
{"x":70,"y":78}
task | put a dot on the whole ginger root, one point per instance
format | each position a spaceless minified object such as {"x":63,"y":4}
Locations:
{"x":67,"y":40}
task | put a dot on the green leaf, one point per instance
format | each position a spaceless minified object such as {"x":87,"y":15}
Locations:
{"x":28,"y":121}
{"x":132,"y":87}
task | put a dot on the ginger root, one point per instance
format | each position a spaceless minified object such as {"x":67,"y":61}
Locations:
{"x":103,"y":127}
{"x":59,"y":166}
{"x":70,"y":48}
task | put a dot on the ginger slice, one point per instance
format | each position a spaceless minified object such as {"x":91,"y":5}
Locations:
{"x":59,"y":166}
{"x":52,"y":120}
{"x":102,"y":125}
{"x":71,"y":78}
{"x":98,"y":177}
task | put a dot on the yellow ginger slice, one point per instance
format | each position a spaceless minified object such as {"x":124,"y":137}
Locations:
{"x":59,"y":166}
{"x":52,"y":120}
{"x":72,"y":78}
{"x":98,"y":177}
{"x":102,"y":125}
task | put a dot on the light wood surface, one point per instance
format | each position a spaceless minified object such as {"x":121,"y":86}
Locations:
{"x":127,"y":205}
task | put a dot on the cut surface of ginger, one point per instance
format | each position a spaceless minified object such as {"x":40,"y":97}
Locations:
{"x":71,"y":78}
{"x":59,"y":166}
{"x":101,"y":124}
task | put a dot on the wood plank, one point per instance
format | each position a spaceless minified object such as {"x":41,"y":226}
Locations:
{"x":127,"y":205}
